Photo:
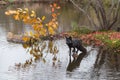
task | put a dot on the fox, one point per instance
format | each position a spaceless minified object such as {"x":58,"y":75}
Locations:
{"x":75,"y":44}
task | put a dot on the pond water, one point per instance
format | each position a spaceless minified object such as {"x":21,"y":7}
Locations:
{"x":11,"y":53}
{"x":14,"y":53}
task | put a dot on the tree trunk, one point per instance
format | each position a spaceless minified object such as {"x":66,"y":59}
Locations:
{"x":104,"y":13}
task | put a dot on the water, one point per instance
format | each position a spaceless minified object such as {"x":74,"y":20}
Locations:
{"x":11,"y":53}
{"x":14,"y":53}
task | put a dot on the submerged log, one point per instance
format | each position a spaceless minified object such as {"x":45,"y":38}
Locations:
{"x":11,"y":37}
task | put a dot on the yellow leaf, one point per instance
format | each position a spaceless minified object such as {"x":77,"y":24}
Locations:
{"x":39,"y":19}
{"x":54,"y":26}
{"x":26,"y":19}
{"x":40,"y":26}
{"x":51,"y":31}
{"x":32,"y":21}
{"x":43,"y":18}
{"x":42,"y":32}
{"x":33,"y":11}
{"x":36,"y":35}
{"x":24,"y":12}
{"x":19,"y":9}
{"x":35,"y":26}
{"x":31,"y":33}
{"x":33,"y":14}
{"x":12,"y":11}
{"x":50,"y":23}
{"x":46,"y":24}
{"x":26,"y":9}
{"x":7,"y":13}
{"x":25,"y":39}
{"x":16,"y":17}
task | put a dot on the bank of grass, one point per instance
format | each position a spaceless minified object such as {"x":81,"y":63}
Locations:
{"x":107,"y":39}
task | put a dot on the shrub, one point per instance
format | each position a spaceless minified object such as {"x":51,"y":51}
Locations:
{"x":81,"y":29}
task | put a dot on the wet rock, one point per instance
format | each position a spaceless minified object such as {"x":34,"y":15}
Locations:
{"x":14,"y":38}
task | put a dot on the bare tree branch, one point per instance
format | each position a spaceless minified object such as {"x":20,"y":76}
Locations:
{"x":106,"y":15}
{"x":116,"y":16}
{"x":111,"y":9}
{"x":88,"y":16}
{"x":103,"y":13}
{"x":97,"y":13}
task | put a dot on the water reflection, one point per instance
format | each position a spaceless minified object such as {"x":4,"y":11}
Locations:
{"x":44,"y":71}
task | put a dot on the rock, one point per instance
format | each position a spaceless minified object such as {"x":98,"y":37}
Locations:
{"x":14,"y":38}
{"x":9,"y":35}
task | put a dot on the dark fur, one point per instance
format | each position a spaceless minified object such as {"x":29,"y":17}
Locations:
{"x":75,"y":44}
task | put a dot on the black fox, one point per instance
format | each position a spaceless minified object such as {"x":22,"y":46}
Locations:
{"x":75,"y":44}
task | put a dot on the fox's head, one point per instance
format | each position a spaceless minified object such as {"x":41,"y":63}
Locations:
{"x":69,"y":40}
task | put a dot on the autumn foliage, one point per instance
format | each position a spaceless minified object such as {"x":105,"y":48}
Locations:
{"x":33,"y":43}
{"x":40,"y":27}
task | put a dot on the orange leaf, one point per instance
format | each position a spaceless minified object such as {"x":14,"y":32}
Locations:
{"x":54,"y":5}
{"x":54,"y":26}
{"x":16,"y":17}
{"x":54,"y":15}
{"x":53,"y":9}
{"x":25,"y":38}
{"x":50,"y":23}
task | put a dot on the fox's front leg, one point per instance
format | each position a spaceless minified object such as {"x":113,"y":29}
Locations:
{"x":73,"y":50}
{"x":70,"y":53}
{"x":77,"y":51}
